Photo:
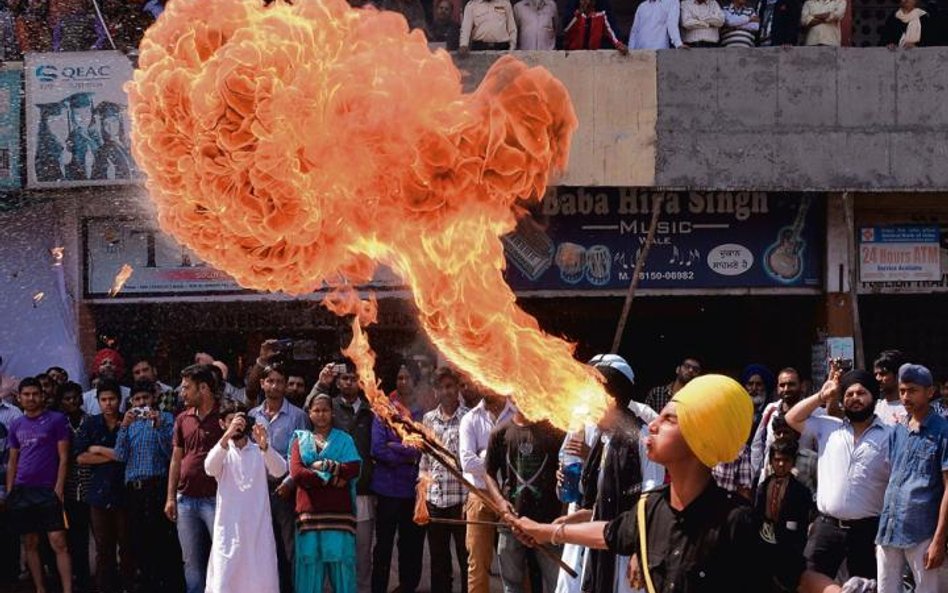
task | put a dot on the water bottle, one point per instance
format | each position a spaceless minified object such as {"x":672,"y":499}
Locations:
{"x":572,"y":466}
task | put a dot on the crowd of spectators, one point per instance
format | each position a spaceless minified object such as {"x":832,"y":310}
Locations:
{"x":500,"y":25}
{"x":282,"y":485}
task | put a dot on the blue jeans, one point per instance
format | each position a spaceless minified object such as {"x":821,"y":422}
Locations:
{"x":195,"y":526}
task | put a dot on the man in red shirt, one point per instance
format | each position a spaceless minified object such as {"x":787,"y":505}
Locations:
{"x":191,"y":492}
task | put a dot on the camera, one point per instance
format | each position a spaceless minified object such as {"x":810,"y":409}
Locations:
{"x":339,"y":368}
{"x":843,"y":364}
{"x":141,"y":412}
{"x":248,"y":426}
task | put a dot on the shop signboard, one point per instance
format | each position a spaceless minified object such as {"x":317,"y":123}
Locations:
{"x":160,"y":267}
{"x":900,"y":253}
{"x":10,"y":103}
{"x":904,"y":285}
{"x":77,"y":124}
{"x":588,"y":239}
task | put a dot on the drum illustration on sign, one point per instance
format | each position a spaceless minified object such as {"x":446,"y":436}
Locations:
{"x":571,"y":260}
{"x":598,"y":265}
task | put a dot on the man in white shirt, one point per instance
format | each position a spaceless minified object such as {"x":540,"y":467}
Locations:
{"x":537,"y":24}
{"x":656,"y":25}
{"x":475,"y":430}
{"x":820,"y":20}
{"x":488,"y":25}
{"x":701,"y":21}
{"x":889,"y":408}
{"x":853,"y":473}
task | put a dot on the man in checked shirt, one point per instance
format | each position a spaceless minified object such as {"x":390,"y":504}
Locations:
{"x":446,"y":494}
{"x":144,"y":445}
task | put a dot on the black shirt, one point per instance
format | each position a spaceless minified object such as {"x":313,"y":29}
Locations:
{"x":106,"y":487}
{"x":711,"y":545}
{"x":526,"y":458}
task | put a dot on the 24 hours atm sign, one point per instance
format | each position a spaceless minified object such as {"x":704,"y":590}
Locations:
{"x":590,"y":238}
{"x":900,"y":253}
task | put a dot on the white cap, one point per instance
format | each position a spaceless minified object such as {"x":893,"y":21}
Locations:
{"x":616,"y":362}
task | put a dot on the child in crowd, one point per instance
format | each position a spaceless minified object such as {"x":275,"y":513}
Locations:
{"x":784,"y":505}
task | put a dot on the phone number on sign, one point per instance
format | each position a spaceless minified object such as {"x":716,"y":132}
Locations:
{"x":666,"y":275}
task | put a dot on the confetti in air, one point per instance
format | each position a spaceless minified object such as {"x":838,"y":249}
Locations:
{"x":57,"y":253}
{"x":299,"y":145}
{"x":120,"y":279}
{"x":38,"y":297}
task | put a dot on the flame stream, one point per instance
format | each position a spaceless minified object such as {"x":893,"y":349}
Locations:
{"x":299,"y":145}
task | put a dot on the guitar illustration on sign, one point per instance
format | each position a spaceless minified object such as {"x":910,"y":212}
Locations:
{"x":783,"y":260}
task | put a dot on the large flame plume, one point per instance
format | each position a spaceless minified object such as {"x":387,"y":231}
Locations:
{"x":299,"y":145}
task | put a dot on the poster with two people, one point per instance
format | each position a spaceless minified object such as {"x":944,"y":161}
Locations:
{"x":77,"y":119}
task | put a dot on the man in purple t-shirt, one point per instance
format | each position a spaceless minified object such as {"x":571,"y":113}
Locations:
{"x":39,"y":453}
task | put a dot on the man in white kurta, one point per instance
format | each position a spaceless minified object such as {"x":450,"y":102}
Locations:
{"x":243,"y":551}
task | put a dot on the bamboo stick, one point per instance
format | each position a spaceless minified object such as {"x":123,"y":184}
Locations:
{"x":488,"y":501}
{"x":466,"y":522}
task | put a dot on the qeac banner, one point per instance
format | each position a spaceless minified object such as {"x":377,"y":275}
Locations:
{"x":77,"y":127}
{"x":583,"y":239}
{"x":10,"y":99}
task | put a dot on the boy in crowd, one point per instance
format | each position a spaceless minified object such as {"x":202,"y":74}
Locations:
{"x":783,"y":505}
{"x":912,"y":528}
{"x":36,"y":481}
{"x":144,"y":445}
{"x":521,"y":477}
{"x":95,"y":447}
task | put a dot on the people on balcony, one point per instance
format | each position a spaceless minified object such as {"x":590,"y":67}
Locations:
{"x":590,"y":28}
{"x":656,"y":25}
{"x":909,"y":26}
{"x":701,"y":22}
{"x":538,"y":24}
{"x":820,"y":19}
{"x":488,"y":25}
{"x":741,"y":24}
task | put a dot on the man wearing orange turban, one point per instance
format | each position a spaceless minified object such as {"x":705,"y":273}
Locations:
{"x":690,"y":536}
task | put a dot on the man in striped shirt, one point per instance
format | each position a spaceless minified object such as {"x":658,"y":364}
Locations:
{"x":741,"y":24}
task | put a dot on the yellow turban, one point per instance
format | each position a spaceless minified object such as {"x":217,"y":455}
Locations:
{"x":715,"y":415}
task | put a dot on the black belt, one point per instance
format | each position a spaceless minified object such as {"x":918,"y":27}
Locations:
{"x":850,"y":523}
{"x":145,"y":483}
{"x":489,"y":46}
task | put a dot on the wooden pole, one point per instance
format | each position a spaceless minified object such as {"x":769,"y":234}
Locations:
{"x":395,"y":419}
{"x":639,"y":265}
{"x":466,"y":522}
{"x":852,"y":261}
{"x":448,"y":464}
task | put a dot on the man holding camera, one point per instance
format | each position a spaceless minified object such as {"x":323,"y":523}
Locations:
{"x":144,"y":445}
{"x":280,"y":418}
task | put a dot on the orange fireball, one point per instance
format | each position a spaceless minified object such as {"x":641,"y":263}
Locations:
{"x":296,"y":146}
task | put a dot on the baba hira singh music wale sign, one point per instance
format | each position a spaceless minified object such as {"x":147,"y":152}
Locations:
{"x":589,"y":238}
